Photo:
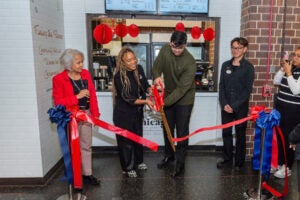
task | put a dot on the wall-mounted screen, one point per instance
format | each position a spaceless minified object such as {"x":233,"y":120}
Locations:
{"x":196,"y":52}
{"x":130,"y":6}
{"x":183,"y":6}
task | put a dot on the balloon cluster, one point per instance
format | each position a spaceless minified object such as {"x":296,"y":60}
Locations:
{"x":208,"y":33}
{"x":103,"y":34}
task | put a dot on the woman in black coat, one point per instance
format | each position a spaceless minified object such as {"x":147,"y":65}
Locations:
{"x":130,"y":87}
{"x":294,"y":139}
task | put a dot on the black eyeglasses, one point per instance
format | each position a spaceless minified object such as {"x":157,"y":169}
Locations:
{"x":236,"y":48}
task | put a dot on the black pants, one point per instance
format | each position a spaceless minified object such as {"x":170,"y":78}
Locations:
{"x":288,"y":121}
{"x":178,"y":116}
{"x":298,"y":174}
{"x":240,"y":130}
{"x":131,"y":153}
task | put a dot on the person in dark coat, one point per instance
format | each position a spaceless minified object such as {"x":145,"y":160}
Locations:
{"x":294,"y":139}
{"x":175,"y":68}
{"x":235,"y":87}
{"x":130,"y":87}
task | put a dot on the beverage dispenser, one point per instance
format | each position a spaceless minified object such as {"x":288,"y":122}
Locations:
{"x":96,"y":67}
{"x":103,"y":77}
{"x":204,"y":76}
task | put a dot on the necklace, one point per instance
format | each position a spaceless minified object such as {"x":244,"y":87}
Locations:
{"x":77,"y":87}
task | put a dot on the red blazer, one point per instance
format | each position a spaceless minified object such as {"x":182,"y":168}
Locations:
{"x":63,"y":93}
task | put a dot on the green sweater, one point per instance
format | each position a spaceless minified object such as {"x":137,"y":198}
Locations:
{"x":178,"y":74}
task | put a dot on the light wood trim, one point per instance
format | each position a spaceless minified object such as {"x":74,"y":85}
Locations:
{"x":162,"y":23}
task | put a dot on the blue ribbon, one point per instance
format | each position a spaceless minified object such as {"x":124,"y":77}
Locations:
{"x":267,"y":122}
{"x":61,"y":117}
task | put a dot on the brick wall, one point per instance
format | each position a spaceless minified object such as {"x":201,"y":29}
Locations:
{"x":285,"y":36}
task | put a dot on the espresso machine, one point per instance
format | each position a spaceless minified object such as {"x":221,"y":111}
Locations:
{"x":104,"y":65}
{"x":96,"y":67}
{"x":103,"y":77}
{"x":204,"y":76}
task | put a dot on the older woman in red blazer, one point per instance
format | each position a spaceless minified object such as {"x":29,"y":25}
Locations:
{"x":74,"y":86}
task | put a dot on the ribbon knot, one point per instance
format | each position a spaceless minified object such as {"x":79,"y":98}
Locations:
{"x":255,"y":110}
{"x":61,"y":117}
{"x":274,"y":117}
{"x":265,"y":121}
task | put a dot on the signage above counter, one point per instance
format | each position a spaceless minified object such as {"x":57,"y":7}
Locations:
{"x":183,"y":6}
{"x":172,"y":7}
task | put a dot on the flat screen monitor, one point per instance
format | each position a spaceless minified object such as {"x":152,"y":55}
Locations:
{"x":196,"y":52}
{"x":183,"y":6}
{"x":130,"y":6}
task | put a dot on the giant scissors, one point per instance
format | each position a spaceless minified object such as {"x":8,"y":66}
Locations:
{"x":159,"y":107}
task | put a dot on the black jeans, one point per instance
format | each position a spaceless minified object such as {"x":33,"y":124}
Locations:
{"x":240,"y":130}
{"x":131,"y":153}
{"x":178,"y":116}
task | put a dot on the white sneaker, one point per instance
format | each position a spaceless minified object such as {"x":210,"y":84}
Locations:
{"x":142,"y":166}
{"x":280,"y":173}
{"x":273,"y":169}
{"x":132,"y":174}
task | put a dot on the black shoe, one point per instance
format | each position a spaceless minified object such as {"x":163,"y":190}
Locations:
{"x":179,"y":171}
{"x":238,"y":167}
{"x":224,"y":163}
{"x":164,"y":163}
{"x":91,"y":180}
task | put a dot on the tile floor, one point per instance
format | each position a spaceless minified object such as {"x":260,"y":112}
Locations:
{"x":201,"y":181}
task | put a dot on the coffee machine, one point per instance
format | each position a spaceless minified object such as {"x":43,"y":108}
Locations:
{"x":103,"y":77}
{"x":204,"y":76}
{"x":104,"y":69}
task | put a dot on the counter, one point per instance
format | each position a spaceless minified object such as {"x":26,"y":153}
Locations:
{"x":205,"y":113}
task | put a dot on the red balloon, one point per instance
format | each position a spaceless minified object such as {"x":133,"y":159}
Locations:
{"x":103,"y":34}
{"x":179,"y":27}
{"x":121,"y":30}
{"x":133,"y":30}
{"x":209,"y":34}
{"x":195,"y":32}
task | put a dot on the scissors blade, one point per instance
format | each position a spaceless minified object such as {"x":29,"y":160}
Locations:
{"x":166,"y":125}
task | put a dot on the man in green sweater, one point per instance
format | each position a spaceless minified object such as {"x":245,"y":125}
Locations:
{"x":175,"y":68}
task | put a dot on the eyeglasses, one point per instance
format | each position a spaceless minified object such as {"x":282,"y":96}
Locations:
{"x":236,"y":48}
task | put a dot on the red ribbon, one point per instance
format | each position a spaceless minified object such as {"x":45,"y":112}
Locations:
{"x":79,"y":115}
{"x":119,"y":131}
{"x":253,"y":116}
{"x":158,"y":97}
{"x":274,"y":161}
{"x":75,"y":152}
{"x":214,"y":128}
{"x":286,"y":180}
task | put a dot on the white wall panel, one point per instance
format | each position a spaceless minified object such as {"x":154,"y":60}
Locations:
{"x":48,"y":44}
{"x":20,"y":154}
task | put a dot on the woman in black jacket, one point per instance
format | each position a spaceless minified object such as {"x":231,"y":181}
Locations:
{"x":294,"y":139}
{"x":130,"y":87}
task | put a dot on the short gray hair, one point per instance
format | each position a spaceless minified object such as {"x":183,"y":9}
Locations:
{"x":67,"y":58}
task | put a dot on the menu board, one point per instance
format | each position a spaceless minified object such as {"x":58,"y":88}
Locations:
{"x":183,"y":6}
{"x":130,"y":6}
